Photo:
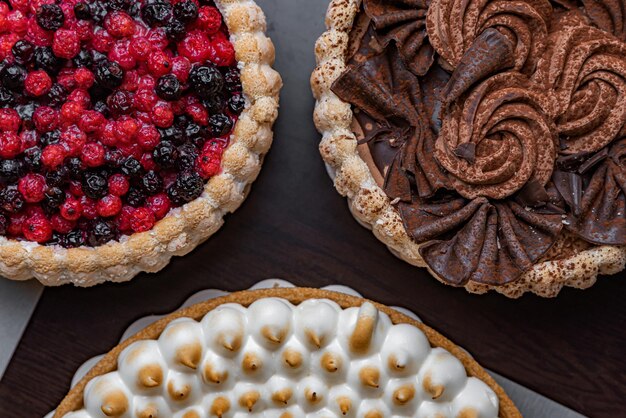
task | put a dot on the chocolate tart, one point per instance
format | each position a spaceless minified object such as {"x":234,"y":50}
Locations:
{"x":287,"y":353}
{"x":483,"y":140}
{"x":170,"y":107}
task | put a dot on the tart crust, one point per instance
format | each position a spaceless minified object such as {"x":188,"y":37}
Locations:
{"x":74,"y":399}
{"x":374,"y":210}
{"x":185,"y":227}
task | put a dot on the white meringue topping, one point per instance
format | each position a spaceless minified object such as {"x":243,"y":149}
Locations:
{"x":277,"y":360}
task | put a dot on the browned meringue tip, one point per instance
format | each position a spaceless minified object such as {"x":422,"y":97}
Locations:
{"x":292,"y":358}
{"x":189,"y":355}
{"x":282,"y":396}
{"x":361,"y":337}
{"x":151,"y":412}
{"x":220,"y":406}
{"x":178,"y":394}
{"x":369,"y":376}
{"x":435,"y":391}
{"x":374,"y":414}
{"x":330,"y":362}
{"x":272,"y":336}
{"x":249,"y":399}
{"x":150,"y":376}
{"x":404,"y":394}
{"x":115,"y":404}
{"x":313,"y":337}
{"x":231,"y":344}
{"x":213,"y":376}
{"x":344,"y":404}
{"x":251,"y":363}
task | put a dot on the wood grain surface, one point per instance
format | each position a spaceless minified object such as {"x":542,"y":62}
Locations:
{"x":295,"y":226}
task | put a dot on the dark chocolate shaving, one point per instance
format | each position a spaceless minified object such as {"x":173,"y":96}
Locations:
{"x":478,"y":240}
{"x":466,"y":151}
{"x":533,"y":194}
{"x":490,"y":53}
{"x":570,"y":186}
{"x":404,"y":23}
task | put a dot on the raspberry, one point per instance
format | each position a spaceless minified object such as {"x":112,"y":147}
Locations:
{"x":147,"y":162}
{"x":198,"y":113}
{"x":61,"y":225}
{"x":91,"y":121}
{"x":32,"y":187}
{"x":145,"y":100}
{"x":180,"y":68}
{"x":222,"y":52}
{"x":209,"y":19}
{"x":9,"y":120}
{"x":53,"y":155}
{"x":73,"y":139}
{"x":10,"y":145}
{"x":102,"y":41}
{"x":162,"y":115}
{"x":17,"y":22}
{"x":92,"y":155}
{"x":120,"y":102}
{"x":159,"y":63}
{"x":148,"y":137}
{"x":119,"y":24}
{"x":37,"y":228}
{"x":109,"y":205}
{"x":37,"y":35}
{"x":126,"y":130}
{"x":90,"y":210}
{"x":45,"y":119}
{"x":38,"y":83}
{"x":7,"y":42}
{"x":118,"y":184}
{"x":123,"y":219}
{"x":208,"y":165}
{"x":142,"y":219}
{"x":120,"y":54}
{"x":140,"y":48}
{"x":66,"y":43}
{"x":159,"y":204}
{"x":196,"y":47}
{"x":76,"y":189}
{"x":84,"y":78}
{"x":71,"y":209}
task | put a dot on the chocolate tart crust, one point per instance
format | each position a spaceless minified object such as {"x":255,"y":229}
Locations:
{"x":74,"y":399}
{"x":185,"y":227}
{"x":373,"y":209}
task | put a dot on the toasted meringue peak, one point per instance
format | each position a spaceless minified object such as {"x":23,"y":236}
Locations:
{"x":274,"y":360}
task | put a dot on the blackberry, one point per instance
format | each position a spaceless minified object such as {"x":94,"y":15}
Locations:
{"x":220,"y":124}
{"x":98,"y":11}
{"x":58,"y":177}
{"x":172,"y":134}
{"x":113,"y":157}
{"x":156,"y":12}
{"x":47,"y":61}
{"x":195,"y":133}
{"x":175,"y":30}
{"x":152,"y":183}
{"x":11,"y":200}
{"x":102,"y":107}
{"x":83,"y":59}
{"x":54,"y":197}
{"x":215,"y":104}
{"x":109,"y":74}
{"x":82,"y":11}
{"x":236,"y":104}
{"x":135,"y":196}
{"x":74,"y":167}
{"x":57,"y":95}
{"x":232,"y":80}
{"x":122,"y":5}
{"x":187,"y":187}
{"x":168,"y":88}
{"x":49,"y":138}
{"x":131,"y":167}
{"x":50,"y":17}
{"x":73,"y":239}
{"x":187,"y":155}
{"x":94,"y":184}
{"x":206,"y":80}
{"x":10,"y":170}
{"x":100,"y":233}
{"x":13,"y":76}
{"x":26,"y":114}
{"x":32,"y":158}
{"x":6,"y":98}
{"x":120,"y":102}
{"x":23,"y":51}
{"x":165,"y":154}
{"x":186,"y":11}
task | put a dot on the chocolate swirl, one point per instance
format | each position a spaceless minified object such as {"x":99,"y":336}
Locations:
{"x":499,"y":138}
{"x":608,"y":15}
{"x":477,"y":38}
{"x":586,"y":70}
{"x":404,"y":22}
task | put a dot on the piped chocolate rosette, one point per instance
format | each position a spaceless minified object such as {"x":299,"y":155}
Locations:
{"x":504,"y":154}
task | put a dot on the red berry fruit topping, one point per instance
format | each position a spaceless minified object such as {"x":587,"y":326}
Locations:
{"x":111,"y":114}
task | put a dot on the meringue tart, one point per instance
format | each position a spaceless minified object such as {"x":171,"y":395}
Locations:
{"x":287,"y":353}
{"x":485,"y":139}
{"x":128,"y":130}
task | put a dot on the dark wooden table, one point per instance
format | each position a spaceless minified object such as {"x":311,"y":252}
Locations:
{"x":295,"y":226}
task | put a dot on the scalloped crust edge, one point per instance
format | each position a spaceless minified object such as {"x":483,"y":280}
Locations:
{"x":185,"y":227}
{"x":373,"y":209}
{"x":74,"y":399}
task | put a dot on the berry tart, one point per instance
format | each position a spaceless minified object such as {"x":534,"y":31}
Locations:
{"x":482,"y":139}
{"x":128,"y":129}
{"x":287,"y":353}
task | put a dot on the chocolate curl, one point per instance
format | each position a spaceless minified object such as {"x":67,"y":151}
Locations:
{"x":490,"y":53}
{"x":404,"y":23}
{"x":608,"y":15}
